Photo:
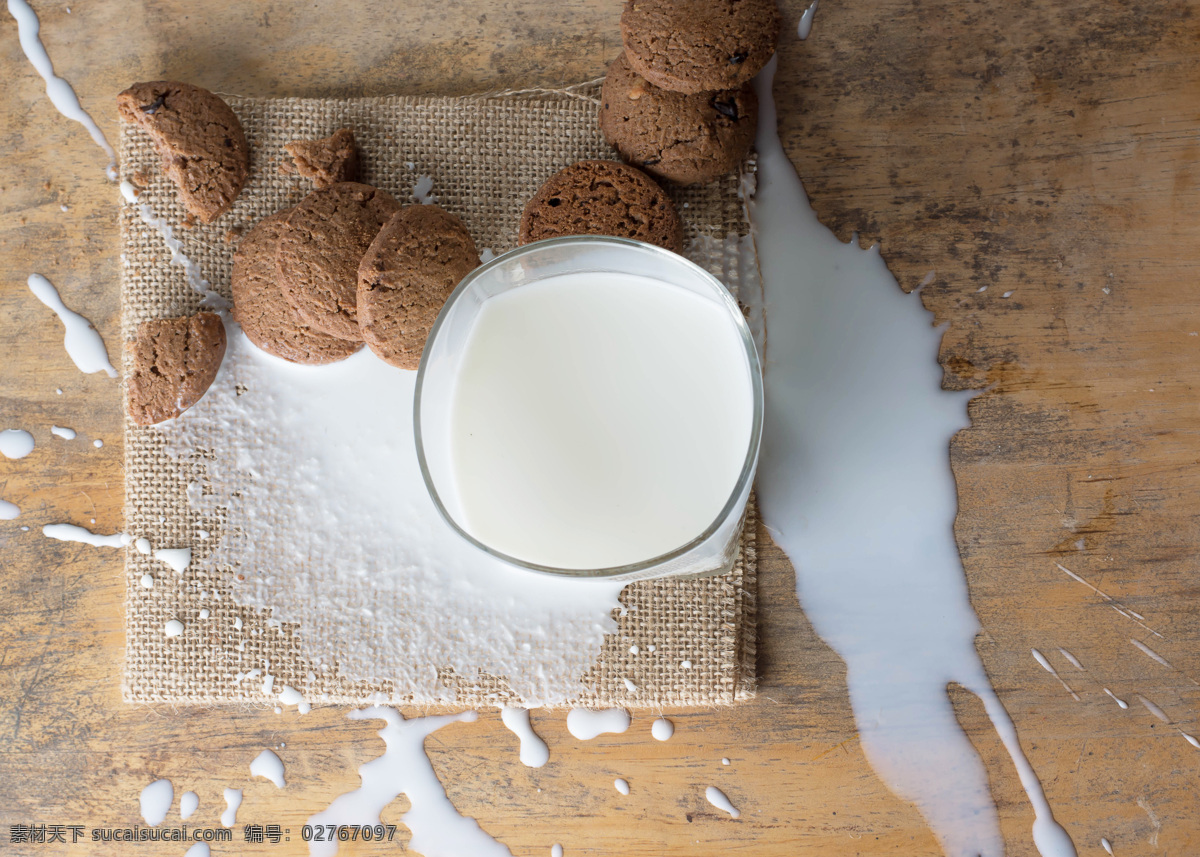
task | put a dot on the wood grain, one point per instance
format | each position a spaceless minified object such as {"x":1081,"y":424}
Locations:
{"x":1042,"y":149}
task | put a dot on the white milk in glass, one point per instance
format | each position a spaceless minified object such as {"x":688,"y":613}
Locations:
{"x":598,"y":419}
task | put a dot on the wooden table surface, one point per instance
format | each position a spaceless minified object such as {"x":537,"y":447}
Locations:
{"x":1045,"y":150}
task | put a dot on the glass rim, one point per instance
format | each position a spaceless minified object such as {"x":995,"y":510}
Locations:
{"x":756,"y":391}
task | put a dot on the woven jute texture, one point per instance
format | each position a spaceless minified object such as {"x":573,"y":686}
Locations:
{"x":487,"y":155}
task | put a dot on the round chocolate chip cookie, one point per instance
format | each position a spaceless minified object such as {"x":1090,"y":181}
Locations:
{"x":687,"y":139}
{"x":410,"y":269}
{"x":699,"y":45}
{"x":266,"y":317}
{"x":321,"y":243}
{"x":602,"y":198}
{"x":174,"y":361}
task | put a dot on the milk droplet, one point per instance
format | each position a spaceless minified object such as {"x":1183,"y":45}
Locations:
{"x":534,"y":752}
{"x":1122,"y":703}
{"x":156,"y":801}
{"x":233,"y":799}
{"x":9,"y":511}
{"x":147,"y":581}
{"x":662,"y":729}
{"x":188,"y":802}
{"x":83,"y":342}
{"x":724,"y":761}
{"x":1071,"y":659}
{"x":630,"y":686}
{"x":718,"y":799}
{"x":204,"y":614}
{"x":1106,"y":845}
{"x":422,"y":188}
{"x":805,"y":28}
{"x":15,"y":443}
{"x":143,"y":546}
{"x":177,"y":558}
{"x":556,"y":850}
{"x":97,"y":443}
{"x":63,"y":432}
{"x":268,"y":765}
{"x":200,"y":849}
{"x":173,"y":628}
{"x":1154,"y":709}
{"x":621,"y":785}
{"x":1150,"y":653}
{"x":585,"y":724}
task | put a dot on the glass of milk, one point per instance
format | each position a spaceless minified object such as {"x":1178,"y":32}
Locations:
{"x":591,"y":407}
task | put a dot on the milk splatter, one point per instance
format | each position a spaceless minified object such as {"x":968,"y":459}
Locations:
{"x":438,"y":829}
{"x":233,"y":800}
{"x":72,"y":533}
{"x":191,"y":271}
{"x":586,"y":724}
{"x":534,"y":752}
{"x":1041,"y":659}
{"x":1122,"y":703}
{"x":1150,"y":653}
{"x":855,"y":485}
{"x":83,"y":342}
{"x":60,"y":93}
{"x":359,"y":557}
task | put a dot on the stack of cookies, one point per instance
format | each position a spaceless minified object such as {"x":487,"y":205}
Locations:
{"x":679,"y":103}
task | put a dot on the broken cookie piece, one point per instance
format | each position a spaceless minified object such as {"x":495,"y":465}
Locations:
{"x":199,"y":138}
{"x":173,"y":362}
{"x":328,"y":161}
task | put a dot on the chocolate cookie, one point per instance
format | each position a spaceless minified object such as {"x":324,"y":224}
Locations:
{"x":602,"y":198}
{"x":320,"y":246}
{"x":412,"y":266}
{"x":699,"y":45}
{"x":672,"y":135}
{"x":174,"y":362}
{"x":266,"y":317}
{"x":329,"y":161}
{"x":199,"y":138}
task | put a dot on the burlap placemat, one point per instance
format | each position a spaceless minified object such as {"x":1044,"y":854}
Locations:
{"x":695,"y":640}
